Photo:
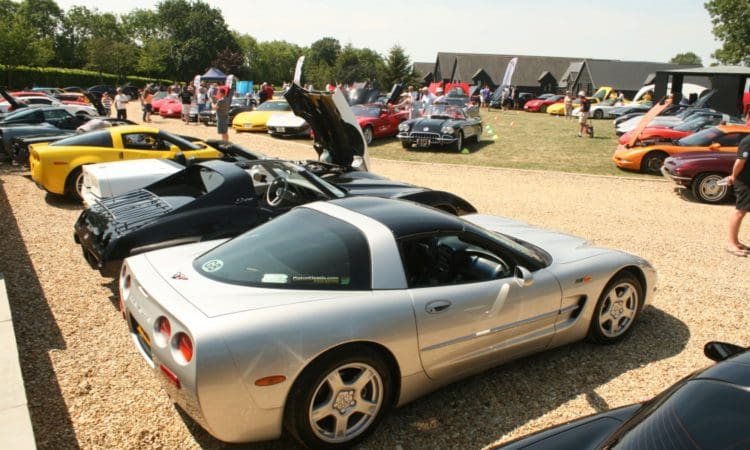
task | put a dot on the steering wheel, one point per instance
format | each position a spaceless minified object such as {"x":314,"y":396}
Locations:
{"x":276,"y":191}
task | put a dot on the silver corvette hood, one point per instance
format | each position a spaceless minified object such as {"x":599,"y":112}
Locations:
{"x":564,"y":248}
{"x":213,"y":298}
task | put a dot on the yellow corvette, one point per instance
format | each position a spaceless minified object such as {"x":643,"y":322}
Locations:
{"x":256,"y":120}
{"x":558,"y":109}
{"x":56,"y":166}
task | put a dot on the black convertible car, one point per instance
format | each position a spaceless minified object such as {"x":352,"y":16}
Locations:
{"x":442,"y":124}
{"x":218,"y":199}
{"x":708,"y":409}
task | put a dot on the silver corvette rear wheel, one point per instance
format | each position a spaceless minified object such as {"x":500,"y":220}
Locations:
{"x":339,"y":399}
{"x":617,"y":309}
{"x":346,"y":402}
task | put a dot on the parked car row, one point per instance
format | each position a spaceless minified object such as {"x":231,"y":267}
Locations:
{"x":239,"y":316}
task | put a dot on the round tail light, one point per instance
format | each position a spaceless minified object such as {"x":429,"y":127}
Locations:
{"x":125,"y":286}
{"x":162,"y":331}
{"x":184,"y":347}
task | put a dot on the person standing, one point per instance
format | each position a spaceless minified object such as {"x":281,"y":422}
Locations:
{"x":740,"y":180}
{"x":148,"y":99}
{"x":439,"y":96}
{"x":107,"y":104}
{"x":121,"y":104}
{"x":568,"y":104}
{"x":222,"y":115}
{"x":186,"y":98}
{"x":484,"y":97}
{"x":583,"y":114}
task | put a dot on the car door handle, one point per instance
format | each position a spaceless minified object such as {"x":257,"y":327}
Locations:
{"x":437,"y":306}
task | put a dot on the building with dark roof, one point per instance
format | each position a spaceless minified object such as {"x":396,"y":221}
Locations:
{"x":424,"y":71}
{"x":626,"y":76}
{"x":538,"y":74}
{"x":476,"y":68}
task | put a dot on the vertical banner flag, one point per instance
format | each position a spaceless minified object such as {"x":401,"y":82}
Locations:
{"x":509,"y":72}
{"x":298,"y":71}
{"x":197,"y":81}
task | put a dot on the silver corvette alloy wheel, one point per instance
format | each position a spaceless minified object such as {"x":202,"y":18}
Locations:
{"x":618,"y":310}
{"x":346,"y":403}
{"x":707,"y":189}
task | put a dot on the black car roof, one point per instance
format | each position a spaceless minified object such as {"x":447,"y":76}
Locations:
{"x":403,"y":218}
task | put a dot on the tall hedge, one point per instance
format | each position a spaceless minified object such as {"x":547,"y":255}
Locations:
{"x":22,"y":76}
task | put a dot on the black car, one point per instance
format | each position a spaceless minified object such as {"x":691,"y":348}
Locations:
{"x":238,"y":105}
{"x":21,"y":137}
{"x":100,"y":89}
{"x":216,"y":199}
{"x":443,"y":125}
{"x":708,"y":409}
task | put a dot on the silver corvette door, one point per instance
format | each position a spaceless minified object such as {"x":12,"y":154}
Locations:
{"x":470,"y":326}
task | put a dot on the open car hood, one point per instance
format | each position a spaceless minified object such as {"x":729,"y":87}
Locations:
{"x":11,"y":100}
{"x":395,"y":93}
{"x":338,"y":136}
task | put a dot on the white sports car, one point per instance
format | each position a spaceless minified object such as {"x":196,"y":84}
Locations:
{"x":323,"y":319}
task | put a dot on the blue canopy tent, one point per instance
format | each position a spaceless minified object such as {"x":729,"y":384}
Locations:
{"x":213,"y":75}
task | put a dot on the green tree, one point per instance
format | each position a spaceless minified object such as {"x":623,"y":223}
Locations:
{"x":79,"y":26}
{"x":107,"y":55}
{"x":43,"y":17}
{"x":18,"y":48}
{"x":731,"y":26}
{"x":357,"y":64}
{"x":153,"y":57}
{"x":196,"y":32}
{"x":686,"y":58}
{"x":320,"y":61}
{"x":397,"y":68}
{"x":274,"y":61}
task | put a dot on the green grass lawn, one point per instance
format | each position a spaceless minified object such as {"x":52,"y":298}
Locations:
{"x":522,"y":140}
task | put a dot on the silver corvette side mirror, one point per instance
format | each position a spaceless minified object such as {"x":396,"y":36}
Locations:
{"x":523,"y":277}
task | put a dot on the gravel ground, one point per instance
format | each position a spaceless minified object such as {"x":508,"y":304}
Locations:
{"x":88,"y":387}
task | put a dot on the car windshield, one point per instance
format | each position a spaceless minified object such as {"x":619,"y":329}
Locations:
{"x":266,"y":172}
{"x":701,"y":138}
{"x":19,"y":115}
{"x":695,"y":124}
{"x":181,"y":142}
{"x":694,"y":414}
{"x":544,"y":96}
{"x":240,"y":101}
{"x":98,"y":138}
{"x":444,"y":112}
{"x":366,"y":111}
{"x":274,"y":106}
{"x":160,"y":95}
{"x":302,"y":249}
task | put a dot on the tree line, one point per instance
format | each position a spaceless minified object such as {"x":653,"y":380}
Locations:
{"x":177,"y":40}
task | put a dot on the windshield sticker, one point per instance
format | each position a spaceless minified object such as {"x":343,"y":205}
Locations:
{"x":278,"y":278}
{"x":311,"y":279}
{"x":213,"y":265}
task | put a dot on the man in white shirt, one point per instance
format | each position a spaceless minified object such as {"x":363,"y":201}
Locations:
{"x":121,"y":104}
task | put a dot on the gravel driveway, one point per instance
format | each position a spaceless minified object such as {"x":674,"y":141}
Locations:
{"x":88,"y":387}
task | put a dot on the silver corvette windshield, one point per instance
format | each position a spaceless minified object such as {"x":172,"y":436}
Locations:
{"x":303,"y":249}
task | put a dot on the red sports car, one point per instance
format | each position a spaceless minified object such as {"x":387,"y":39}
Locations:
{"x":652,"y":135}
{"x":701,"y":172}
{"x":159,"y":98}
{"x":378,"y":121}
{"x":541,"y":103}
{"x":170,"y":107}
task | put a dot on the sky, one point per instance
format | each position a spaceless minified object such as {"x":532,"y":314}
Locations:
{"x":633,"y":30}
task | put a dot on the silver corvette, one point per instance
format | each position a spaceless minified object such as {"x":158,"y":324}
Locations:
{"x":323,"y":319}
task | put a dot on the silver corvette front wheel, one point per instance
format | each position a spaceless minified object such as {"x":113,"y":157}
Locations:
{"x":339,"y":399}
{"x":617,"y":309}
